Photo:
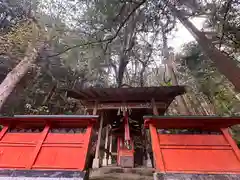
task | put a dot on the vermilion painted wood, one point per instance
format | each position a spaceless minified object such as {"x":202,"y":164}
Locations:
{"x":157,"y":152}
{"x":231,"y":142}
{"x":194,"y":153}
{"x":123,"y":151}
{"x":194,"y":139}
{"x":21,"y":138}
{"x":4,"y":130}
{"x":64,"y":138}
{"x":64,"y":155}
{"x":86,"y":152}
{"x":38,"y":147}
{"x":196,"y":147}
{"x":200,"y":160}
{"x":126,"y":128}
{"x":45,"y":150}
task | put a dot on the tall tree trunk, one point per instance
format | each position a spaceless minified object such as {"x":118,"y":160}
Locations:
{"x":181,"y":101}
{"x":142,"y":74}
{"x":168,"y":61}
{"x":128,"y":43}
{"x":225,"y":64}
{"x":13,"y":78}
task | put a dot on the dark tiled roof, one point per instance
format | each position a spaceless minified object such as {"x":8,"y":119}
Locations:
{"x":136,"y":94}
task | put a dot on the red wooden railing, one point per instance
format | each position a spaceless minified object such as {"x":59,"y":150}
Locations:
{"x":58,"y":142}
{"x":194,"y":153}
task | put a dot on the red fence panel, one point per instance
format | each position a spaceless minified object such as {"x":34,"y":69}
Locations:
{"x":194,"y":153}
{"x":49,"y":143}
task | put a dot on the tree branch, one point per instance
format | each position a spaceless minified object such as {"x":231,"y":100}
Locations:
{"x":108,"y":40}
{"x":124,"y":22}
{"x":228,"y":6}
{"x":79,"y":45}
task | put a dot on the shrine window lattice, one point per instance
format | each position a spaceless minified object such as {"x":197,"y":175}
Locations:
{"x":68,"y":130}
{"x":52,"y":130}
{"x":25,"y":130}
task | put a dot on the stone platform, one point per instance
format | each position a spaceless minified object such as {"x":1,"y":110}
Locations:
{"x":118,"y":173}
{"x":183,"y":176}
{"x":42,"y":175}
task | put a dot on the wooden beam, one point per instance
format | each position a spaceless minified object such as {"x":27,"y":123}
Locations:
{"x":129,"y":105}
{"x":99,"y":136}
{"x":154,"y":107}
{"x":38,"y":147}
{"x":95,"y":109}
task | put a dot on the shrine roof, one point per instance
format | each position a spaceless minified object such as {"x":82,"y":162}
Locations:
{"x":134,"y":94}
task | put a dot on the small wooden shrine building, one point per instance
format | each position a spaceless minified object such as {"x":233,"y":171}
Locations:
{"x":188,"y":145}
{"x":60,"y":146}
{"x":122,"y":111}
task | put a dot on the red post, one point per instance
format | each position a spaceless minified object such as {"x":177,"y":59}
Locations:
{"x":38,"y":147}
{"x":126,"y":127}
{"x":229,"y":139}
{"x":158,"y":158}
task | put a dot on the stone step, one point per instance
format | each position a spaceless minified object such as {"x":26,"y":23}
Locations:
{"x":118,"y":173}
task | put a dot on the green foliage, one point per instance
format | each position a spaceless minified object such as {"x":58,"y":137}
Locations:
{"x":216,"y":87}
{"x":166,"y":84}
{"x":38,"y":110}
{"x":225,"y":22}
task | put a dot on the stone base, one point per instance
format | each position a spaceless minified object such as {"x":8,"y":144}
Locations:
{"x":183,"y":176}
{"x":42,"y":175}
{"x":105,"y":162}
{"x":109,"y":161}
{"x":96,"y":163}
{"x":149,"y":163}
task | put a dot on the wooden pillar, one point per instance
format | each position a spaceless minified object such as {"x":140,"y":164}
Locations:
{"x":105,"y":159}
{"x":157,"y":152}
{"x":118,"y":150}
{"x":149,"y":162}
{"x":110,"y":149}
{"x":96,"y":160}
{"x":155,"y":110}
{"x":126,"y":128}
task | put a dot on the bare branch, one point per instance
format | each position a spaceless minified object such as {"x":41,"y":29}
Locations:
{"x":228,"y":6}
{"x":108,"y":40}
{"x":124,"y":22}
{"x":80,"y":45}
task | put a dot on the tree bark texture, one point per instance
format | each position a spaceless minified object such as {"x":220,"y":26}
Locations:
{"x":227,"y":66}
{"x":13,"y":77}
{"x":128,"y":43}
{"x":168,"y":61}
